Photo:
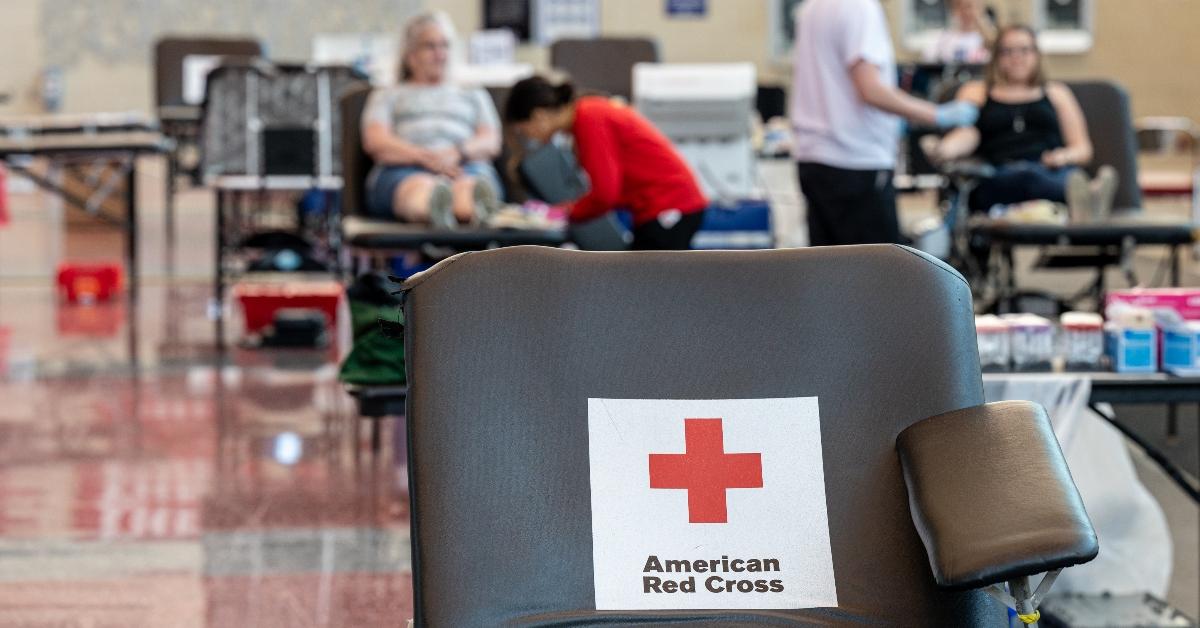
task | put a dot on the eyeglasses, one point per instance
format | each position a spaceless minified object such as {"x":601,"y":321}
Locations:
{"x":1017,"y":51}
{"x":434,"y":45}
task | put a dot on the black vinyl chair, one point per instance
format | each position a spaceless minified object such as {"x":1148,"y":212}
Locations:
{"x":369,"y":238}
{"x":930,"y":493}
{"x":1107,"y":111}
{"x":180,"y":120}
{"x":170,"y":53}
{"x":1109,"y":117}
{"x":603,"y":64}
{"x":1110,"y":126}
{"x":356,"y":163}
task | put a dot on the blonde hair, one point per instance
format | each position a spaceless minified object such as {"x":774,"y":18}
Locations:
{"x":412,"y":33}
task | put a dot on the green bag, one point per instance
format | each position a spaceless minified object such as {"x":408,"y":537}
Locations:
{"x":376,"y":358}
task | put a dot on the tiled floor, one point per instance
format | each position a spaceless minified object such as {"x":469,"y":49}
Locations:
{"x":180,"y":493}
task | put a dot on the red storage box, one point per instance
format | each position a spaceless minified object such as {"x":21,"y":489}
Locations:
{"x":260,"y":300}
{"x":89,"y":282}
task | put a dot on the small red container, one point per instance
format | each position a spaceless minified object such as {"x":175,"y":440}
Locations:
{"x":89,"y":282}
{"x":100,"y":320}
{"x":260,"y":301}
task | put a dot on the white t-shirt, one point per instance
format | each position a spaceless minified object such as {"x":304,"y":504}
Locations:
{"x":431,"y":116}
{"x":833,"y":126}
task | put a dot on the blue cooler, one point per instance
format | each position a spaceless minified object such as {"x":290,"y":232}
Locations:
{"x":745,"y":225}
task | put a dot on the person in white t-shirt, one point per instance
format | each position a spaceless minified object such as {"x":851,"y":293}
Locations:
{"x":969,"y":36}
{"x":844,"y":109}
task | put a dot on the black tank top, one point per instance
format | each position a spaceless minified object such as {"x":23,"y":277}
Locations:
{"x":1020,"y":132}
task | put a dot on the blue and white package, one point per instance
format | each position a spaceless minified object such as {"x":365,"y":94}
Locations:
{"x":1181,"y":349}
{"x":1132,"y":350}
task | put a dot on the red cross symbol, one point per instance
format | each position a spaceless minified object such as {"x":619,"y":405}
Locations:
{"x":705,"y":471}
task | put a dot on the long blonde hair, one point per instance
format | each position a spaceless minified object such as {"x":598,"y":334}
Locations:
{"x":412,"y":32}
{"x":992,"y":75}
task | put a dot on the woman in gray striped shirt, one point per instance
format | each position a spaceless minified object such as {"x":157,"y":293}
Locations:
{"x":433,"y":142}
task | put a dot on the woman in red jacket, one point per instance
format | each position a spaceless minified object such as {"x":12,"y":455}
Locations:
{"x":630,"y":164}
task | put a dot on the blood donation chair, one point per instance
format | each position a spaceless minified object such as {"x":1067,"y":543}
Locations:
{"x":1107,"y":111}
{"x":370,"y":241}
{"x":171,"y":53}
{"x":603,"y":64}
{"x":935,"y":500}
{"x":178,"y":110}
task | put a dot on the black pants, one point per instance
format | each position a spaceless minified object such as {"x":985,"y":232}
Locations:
{"x":849,"y":206}
{"x":652,"y":236}
{"x":1021,"y":181}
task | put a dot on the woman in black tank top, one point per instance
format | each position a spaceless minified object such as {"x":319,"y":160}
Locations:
{"x":1030,"y":129}
{"x":1011,"y":132}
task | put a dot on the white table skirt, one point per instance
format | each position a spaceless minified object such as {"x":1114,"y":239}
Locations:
{"x":1135,"y":542}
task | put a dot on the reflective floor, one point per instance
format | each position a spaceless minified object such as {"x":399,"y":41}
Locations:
{"x":143,"y":485}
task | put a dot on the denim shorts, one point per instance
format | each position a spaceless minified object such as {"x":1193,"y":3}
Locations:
{"x":383,"y":181}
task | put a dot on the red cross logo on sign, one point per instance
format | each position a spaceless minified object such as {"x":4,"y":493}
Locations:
{"x":705,"y":471}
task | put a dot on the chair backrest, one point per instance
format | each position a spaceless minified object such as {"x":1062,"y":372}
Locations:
{"x":505,"y":348}
{"x":356,"y":163}
{"x":170,"y":52}
{"x":603,"y":64}
{"x":1106,"y":107}
{"x":245,"y":101}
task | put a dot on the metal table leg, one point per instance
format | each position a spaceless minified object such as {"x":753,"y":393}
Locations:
{"x":218,"y":303}
{"x":1175,"y":266}
{"x":169,"y":213}
{"x":131,"y":236}
{"x":1173,"y":409}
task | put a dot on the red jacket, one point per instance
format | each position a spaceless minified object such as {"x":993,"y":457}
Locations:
{"x":630,"y":164}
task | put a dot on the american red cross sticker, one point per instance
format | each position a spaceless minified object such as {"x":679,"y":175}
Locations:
{"x":705,"y":471}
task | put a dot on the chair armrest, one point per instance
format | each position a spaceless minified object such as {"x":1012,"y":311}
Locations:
{"x":969,"y":168}
{"x":991,"y":495}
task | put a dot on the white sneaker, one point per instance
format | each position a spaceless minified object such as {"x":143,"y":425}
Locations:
{"x":487,"y":201}
{"x":441,"y":207}
{"x":1080,"y":205}
{"x":1104,"y":190}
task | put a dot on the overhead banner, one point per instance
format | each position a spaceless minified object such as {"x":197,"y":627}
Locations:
{"x":709,"y":505}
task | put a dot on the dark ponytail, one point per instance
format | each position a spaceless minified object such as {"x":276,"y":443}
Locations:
{"x":565,"y":93}
{"x":534,"y":93}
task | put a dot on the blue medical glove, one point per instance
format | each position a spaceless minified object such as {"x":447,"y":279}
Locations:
{"x":955,"y":114}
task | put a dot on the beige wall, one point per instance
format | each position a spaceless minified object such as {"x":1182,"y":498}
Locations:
{"x":20,"y":55}
{"x":105,"y":49}
{"x":734,"y":30}
{"x":1151,"y":46}
{"x":89,"y":85}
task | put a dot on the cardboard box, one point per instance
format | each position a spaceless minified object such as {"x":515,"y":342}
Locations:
{"x":1132,"y":350}
{"x":1186,"y":301}
{"x":1181,"y":349}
